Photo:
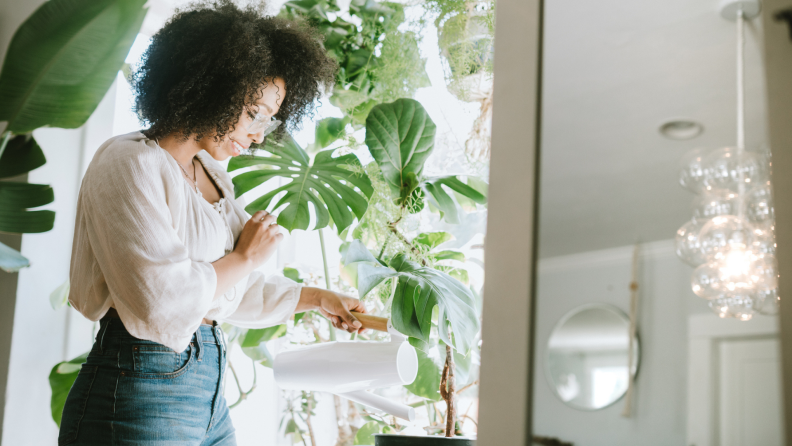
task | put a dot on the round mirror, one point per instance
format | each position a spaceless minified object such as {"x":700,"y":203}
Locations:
{"x":587,"y":356}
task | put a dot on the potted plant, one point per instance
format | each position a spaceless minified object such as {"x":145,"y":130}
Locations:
{"x":428,"y":301}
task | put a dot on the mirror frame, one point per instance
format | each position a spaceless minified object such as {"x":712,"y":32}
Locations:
{"x":505,"y":392}
{"x":636,"y":346}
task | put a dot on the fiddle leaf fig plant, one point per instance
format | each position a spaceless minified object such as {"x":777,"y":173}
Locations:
{"x":400,"y":136}
{"x":337,"y":187}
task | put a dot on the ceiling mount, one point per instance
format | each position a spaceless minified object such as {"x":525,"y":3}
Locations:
{"x":729,"y":8}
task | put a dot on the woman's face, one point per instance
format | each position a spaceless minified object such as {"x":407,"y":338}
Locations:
{"x":239,"y":139}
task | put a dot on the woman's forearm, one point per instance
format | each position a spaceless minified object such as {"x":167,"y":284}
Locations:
{"x":230,"y":269}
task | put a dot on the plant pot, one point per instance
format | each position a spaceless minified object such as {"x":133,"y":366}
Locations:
{"x":408,"y":440}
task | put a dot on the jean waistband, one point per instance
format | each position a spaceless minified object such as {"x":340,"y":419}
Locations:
{"x":113,"y":327}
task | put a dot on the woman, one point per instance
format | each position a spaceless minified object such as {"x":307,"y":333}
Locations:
{"x":162,"y":251}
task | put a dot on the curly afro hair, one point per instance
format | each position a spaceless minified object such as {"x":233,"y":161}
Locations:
{"x":207,"y":65}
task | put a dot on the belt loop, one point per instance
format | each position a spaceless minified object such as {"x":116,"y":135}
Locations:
{"x":199,"y":343}
{"x":101,"y":334}
{"x":218,"y":333}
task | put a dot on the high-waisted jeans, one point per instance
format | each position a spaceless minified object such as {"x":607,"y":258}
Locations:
{"x":136,"y":392}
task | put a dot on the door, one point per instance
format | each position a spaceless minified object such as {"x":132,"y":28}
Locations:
{"x":750,"y":393}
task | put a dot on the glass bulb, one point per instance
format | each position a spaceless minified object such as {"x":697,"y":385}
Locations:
{"x":706,"y":281}
{"x":691,"y":171}
{"x":764,"y":240}
{"x":758,"y":204}
{"x":739,"y":306}
{"x":737,"y":271}
{"x":687,"y":244}
{"x":726,"y":169}
{"x":723,"y":234}
{"x":764,"y":273}
{"x":714,"y":203}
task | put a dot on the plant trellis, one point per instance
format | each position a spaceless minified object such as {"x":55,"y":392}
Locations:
{"x":337,"y":187}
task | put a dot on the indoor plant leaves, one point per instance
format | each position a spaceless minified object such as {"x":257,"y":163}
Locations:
{"x":433,"y":188}
{"x":400,"y":136}
{"x":427,"y":382}
{"x":21,"y":155}
{"x":62,"y":60}
{"x":61,"y":379}
{"x":335,"y":189}
{"x":418,"y":291}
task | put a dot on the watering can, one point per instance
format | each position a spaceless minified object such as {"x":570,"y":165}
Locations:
{"x":351,"y":368}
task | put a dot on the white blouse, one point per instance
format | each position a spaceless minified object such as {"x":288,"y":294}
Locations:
{"x":144,"y":241}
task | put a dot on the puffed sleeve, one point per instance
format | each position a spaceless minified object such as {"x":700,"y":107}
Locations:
{"x":267,"y":301}
{"x":159,"y":292}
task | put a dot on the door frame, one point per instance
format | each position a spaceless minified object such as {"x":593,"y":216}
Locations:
{"x":705,"y":332}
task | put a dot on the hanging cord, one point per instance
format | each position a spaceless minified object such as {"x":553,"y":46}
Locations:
{"x":740,"y":111}
{"x":627,"y":412}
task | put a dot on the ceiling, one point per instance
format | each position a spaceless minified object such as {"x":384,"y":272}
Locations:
{"x":614,"y":71}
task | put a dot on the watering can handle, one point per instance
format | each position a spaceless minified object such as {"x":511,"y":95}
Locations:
{"x":372,"y":322}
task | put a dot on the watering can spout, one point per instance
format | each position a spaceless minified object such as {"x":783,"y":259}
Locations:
{"x":349,"y":368}
{"x":402,"y":411}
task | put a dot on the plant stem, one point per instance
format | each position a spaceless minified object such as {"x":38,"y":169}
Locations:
{"x":403,"y":239}
{"x":327,"y":277}
{"x":309,"y":397}
{"x":242,"y":394}
{"x":448,"y":393}
{"x":345,"y":436}
{"x":6,"y":137}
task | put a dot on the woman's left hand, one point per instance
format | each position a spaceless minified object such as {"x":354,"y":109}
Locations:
{"x":334,"y":306}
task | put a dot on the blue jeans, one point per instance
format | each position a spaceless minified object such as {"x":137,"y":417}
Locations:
{"x":136,"y":392}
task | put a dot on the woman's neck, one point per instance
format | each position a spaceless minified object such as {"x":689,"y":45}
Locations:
{"x":182,"y":150}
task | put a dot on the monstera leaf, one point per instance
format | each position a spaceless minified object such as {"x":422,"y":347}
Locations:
{"x":418,"y":291}
{"x":63,"y":59}
{"x":400,"y":136}
{"x":334,"y":188}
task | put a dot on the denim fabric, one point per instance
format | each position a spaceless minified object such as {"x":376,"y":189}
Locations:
{"x":136,"y":392}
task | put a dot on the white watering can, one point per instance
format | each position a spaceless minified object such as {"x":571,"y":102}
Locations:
{"x":350,"y":368}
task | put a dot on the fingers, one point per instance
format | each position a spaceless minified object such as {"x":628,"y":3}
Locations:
{"x":259,"y":215}
{"x":267,"y":220}
{"x":349,"y":322}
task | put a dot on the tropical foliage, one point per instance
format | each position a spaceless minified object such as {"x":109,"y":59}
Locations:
{"x":59,"y":65}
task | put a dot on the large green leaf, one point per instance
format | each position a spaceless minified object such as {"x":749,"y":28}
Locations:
{"x":63,"y":59}
{"x":15,"y":198}
{"x":419,"y":290}
{"x":256,"y":336}
{"x":365,"y":435}
{"x":327,"y":131}
{"x":61,"y":379}
{"x":21,"y":155}
{"x":400,"y":136}
{"x":444,"y":201}
{"x":337,"y":187}
{"x":427,"y":382}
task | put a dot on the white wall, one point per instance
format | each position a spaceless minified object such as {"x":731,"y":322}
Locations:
{"x":659,"y":404}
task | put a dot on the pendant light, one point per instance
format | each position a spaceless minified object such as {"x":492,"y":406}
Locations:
{"x":730,"y":239}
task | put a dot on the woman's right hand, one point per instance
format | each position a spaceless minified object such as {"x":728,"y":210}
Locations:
{"x":259,"y":238}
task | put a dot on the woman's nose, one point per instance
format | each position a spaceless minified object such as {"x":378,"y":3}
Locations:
{"x":257,"y":137}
